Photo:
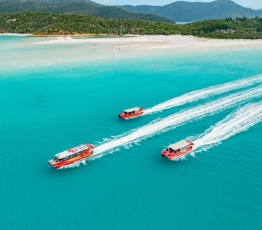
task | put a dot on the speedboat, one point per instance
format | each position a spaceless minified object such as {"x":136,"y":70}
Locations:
{"x":70,"y":156}
{"x":177,"y":150}
{"x":131,"y":113}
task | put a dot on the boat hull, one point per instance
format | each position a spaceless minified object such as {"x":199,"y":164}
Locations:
{"x":177,"y":155}
{"x":86,"y":154}
{"x":130,"y":116}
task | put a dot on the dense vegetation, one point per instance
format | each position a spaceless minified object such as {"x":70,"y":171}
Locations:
{"x":83,"y":7}
{"x":196,"y":11}
{"x":55,"y":24}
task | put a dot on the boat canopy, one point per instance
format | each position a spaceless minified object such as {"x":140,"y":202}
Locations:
{"x":132,"y":110}
{"x":179,"y":145}
{"x":69,"y":152}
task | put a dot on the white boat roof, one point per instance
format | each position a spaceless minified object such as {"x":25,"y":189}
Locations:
{"x":72,"y":151}
{"x":132,"y":109}
{"x":179,"y":145}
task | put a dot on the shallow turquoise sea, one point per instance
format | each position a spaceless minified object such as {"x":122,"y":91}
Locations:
{"x":48,"y":109}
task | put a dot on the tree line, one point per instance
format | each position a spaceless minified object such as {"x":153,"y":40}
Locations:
{"x":56,"y":24}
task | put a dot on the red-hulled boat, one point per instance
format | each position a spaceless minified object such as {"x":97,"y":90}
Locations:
{"x":72,"y":155}
{"x":131,"y":113}
{"x":177,"y":150}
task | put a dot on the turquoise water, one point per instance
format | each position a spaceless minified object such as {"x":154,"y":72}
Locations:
{"x":48,"y":109}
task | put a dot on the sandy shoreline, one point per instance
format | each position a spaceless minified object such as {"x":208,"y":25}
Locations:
{"x":16,"y":35}
{"x":159,"y":42}
{"x":147,"y":41}
{"x":37,"y":52}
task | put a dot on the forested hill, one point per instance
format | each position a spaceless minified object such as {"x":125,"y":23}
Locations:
{"x":59,"y":1}
{"x":56,"y":24}
{"x":196,"y":11}
{"x":83,"y":7}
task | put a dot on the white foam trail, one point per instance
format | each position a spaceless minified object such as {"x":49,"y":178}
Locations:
{"x":180,"y":118}
{"x":204,"y":93}
{"x":233,"y":124}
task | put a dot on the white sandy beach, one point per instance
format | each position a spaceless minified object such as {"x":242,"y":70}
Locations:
{"x":159,"y":42}
{"x":15,"y":34}
{"x":34,"y":52}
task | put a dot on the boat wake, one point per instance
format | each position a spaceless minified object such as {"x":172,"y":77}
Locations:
{"x":203,"y":93}
{"x":178,"y":119}
{"x":234,"y":123}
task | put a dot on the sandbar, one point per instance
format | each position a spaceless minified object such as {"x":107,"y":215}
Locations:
{"x":160,"y":42}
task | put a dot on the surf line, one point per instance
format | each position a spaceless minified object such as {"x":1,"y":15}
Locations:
{"x":179,"y":119}
{"x":204,"y":93}
{"x":234,"y":123}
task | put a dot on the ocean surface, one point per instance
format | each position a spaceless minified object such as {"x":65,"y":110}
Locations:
{"x":49,"y":105}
